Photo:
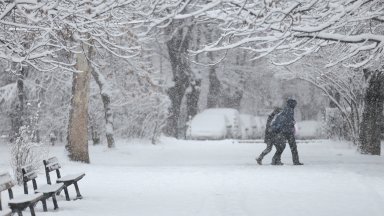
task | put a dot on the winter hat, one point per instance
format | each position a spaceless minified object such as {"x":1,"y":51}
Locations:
{"x":291,"y":103}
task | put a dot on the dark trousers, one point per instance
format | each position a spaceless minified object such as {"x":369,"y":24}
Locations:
{"x":266,"y":150}
{"x":280,"y":142}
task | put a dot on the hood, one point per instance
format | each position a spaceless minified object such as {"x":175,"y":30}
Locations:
{"x":291,"y":103}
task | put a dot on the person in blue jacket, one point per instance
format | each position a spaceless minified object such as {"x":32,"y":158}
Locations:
{"x":284,"y":130}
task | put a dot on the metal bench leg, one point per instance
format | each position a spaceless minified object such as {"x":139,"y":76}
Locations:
{"x":32,"y":210}
{"x":78,"y":195}
{"x":44,"y":201}
{"x":54,"y":201}
{"x":66,"y":194}
{"x":19,"y":213}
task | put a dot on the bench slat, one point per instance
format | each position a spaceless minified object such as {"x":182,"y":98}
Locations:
{"x":26,"y":198}
{"x":52,"y":164}
{"x":70,"y":178}
{"x":30,"y":176}
{"x":52,"y":160}
{"x":29,"y":173}
{"x":50,"y":188}
{"x":6,"y":181}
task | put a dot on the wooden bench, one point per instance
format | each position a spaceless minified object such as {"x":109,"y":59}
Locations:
{"x":49,"y":191}
{"x":18,"y":204}
{"x":52,"y":164}
{"x":3,"y":187}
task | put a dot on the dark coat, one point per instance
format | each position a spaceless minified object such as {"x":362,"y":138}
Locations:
{"x":285,"y":121}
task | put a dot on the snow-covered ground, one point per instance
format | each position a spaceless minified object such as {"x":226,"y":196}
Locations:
{"x":219,"y":178}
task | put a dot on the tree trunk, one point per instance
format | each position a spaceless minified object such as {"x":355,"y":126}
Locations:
{"x":18,"y":116}
{"x":231,"y":99}
{"x":176,"y":94}
{"x":214,"y":82}
{"x":370,"y":129}
{"x":214,"y":86}
{"x":77,"y":145}
{"x":232,"y":95}
{"x":20,"y":88}
{"x":106,"y":98}
{"x":177,"y":50}
{"x":193,"y":98}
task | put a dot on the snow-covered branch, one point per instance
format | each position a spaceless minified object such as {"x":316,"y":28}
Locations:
{"x":299,"y":28}
{"x":36,"y":31}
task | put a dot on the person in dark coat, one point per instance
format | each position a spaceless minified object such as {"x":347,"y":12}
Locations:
{"x":268,"y":137}
{"x":284,"y":129}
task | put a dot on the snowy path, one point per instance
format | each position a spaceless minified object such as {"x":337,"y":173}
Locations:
{"x":222,"y":179}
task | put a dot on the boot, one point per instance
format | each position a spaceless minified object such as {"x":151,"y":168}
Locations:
{"x":259,"y":161}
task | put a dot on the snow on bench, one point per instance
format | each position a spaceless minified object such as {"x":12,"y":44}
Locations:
{"x":49,"y":191}
{"x":21,"y":202}
{"x":24,"y":199}
{"x":52,"y":164}
{"x":73,"y":177}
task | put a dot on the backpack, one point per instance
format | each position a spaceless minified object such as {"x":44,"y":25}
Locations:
{"x":278,"y":123}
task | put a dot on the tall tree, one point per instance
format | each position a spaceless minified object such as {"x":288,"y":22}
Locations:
{"x":178,"y":46}
{"x":77,"y":140}
{"x":371,"y":125}
{"x":92,"y":26}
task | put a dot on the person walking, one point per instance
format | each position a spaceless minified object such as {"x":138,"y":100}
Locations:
{"x":284,"y":129}
{"x":268,"y":136}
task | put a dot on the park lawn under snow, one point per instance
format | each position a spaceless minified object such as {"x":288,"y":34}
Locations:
{"x":219,"y":178}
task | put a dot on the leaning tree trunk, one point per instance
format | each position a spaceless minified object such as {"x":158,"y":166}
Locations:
{"x":106,"y":98}
{"x":370,"y":129}
{"x":77,"y":145}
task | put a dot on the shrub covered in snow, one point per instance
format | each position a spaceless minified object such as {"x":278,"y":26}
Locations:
{"x":24,"y":151}
{"x":335,"y":125}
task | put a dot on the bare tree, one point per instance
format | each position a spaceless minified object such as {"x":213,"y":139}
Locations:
{"x":344,"y":88}
{"x":105,"y":93}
